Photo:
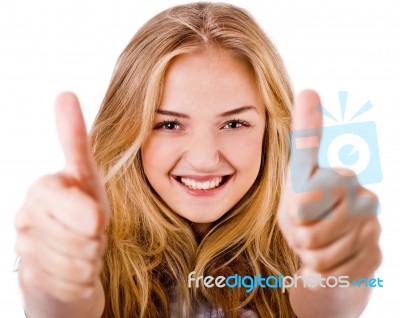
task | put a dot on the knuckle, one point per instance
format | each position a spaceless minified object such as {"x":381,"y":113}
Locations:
{"x":23,"y":247}
{"x":373,"y":195}
{"x":344,"y":172}
{"x":74,"y":293}
{"x":65,"y":294}
{"x":292,"y":207}
{"x":319,"y":263}
{"x":376,"y":229}
{"x":89,"y":249}
{"x":374,"y":257}
{"x":58,"y":290}
{"x":28,"y":276}
{"x":371,"y":230}
{"x":368,"y":201}
{"x":21,"y":219}
{"x":378,"y":257}
{"x":40,"y":188}
{"x":93,"y":249}
{"x":353,"y":239}
{"x":41,"y":183}
{"x":93,"y":211}
{"x":80,"y":270}
{"x":71,"y":268}
{"x":307,"y":238}
{"x":88,"y":292}
{"x":96,"y":219}
{"x":313,"y":260}
{"x":88,"y":271}
{"x":365,"y":192}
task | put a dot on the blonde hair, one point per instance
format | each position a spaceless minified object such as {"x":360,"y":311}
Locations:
{"x":151,"y":250}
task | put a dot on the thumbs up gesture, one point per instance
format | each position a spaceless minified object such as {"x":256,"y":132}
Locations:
{"x":327,"y":217}
{"x":61,"y":225}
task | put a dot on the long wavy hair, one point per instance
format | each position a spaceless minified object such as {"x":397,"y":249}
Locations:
{"x":151,"y":250}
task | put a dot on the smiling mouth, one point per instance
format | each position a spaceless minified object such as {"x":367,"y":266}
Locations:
{"x":211,"y":184}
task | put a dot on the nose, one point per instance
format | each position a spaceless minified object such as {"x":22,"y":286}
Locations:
{"x":203,"y":153}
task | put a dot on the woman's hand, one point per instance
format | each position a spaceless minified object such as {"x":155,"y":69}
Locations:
{"x":61,"y":228}
{"x":329,"y":220}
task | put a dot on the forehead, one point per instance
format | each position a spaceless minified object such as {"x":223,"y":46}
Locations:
{"x":209,"y":76}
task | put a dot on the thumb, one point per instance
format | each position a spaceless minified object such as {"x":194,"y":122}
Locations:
{"x":307,"y":125}
{"x":73,"y":137}
{"x":74,"y":142}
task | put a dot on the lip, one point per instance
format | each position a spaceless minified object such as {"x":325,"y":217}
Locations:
{"x":200,"y":192}
{"x":200,"y":178}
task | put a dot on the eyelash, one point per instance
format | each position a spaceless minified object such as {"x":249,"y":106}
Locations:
{"x":238,"y":121}
{"x":164,"y":123}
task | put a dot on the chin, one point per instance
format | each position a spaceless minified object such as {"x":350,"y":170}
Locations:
{"x":201,"y":218}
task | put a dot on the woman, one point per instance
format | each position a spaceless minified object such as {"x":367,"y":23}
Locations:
{"x":191,"y":142}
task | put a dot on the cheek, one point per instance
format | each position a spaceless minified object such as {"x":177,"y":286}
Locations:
{"x":158,"y":156}
{"x":244,"y":152}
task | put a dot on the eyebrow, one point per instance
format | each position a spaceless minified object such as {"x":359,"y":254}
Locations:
{"x":224,"y":114}
{"x":172,"y":113}
{"x":238,"y":110}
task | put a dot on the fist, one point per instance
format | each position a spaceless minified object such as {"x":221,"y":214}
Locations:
{"x":61,"y":225}
{"x":330,"y":220}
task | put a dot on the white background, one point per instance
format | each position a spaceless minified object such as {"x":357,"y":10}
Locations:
{"x":51,"y":46}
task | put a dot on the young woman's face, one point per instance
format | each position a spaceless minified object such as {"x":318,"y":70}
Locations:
{"x":204,"y":152}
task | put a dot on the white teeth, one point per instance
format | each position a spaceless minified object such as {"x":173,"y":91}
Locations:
{"x":210,"y":184}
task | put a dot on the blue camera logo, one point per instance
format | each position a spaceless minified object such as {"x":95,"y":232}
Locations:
{"x":347,"y":145}
{"x":353,"y":146}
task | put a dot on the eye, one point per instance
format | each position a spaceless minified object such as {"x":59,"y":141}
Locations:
{"x":168,"y":125}
{"x":235,"y":124}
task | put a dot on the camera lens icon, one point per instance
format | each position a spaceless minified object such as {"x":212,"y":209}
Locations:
{"x":354,"y":147}
{"x":349,"y":151}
